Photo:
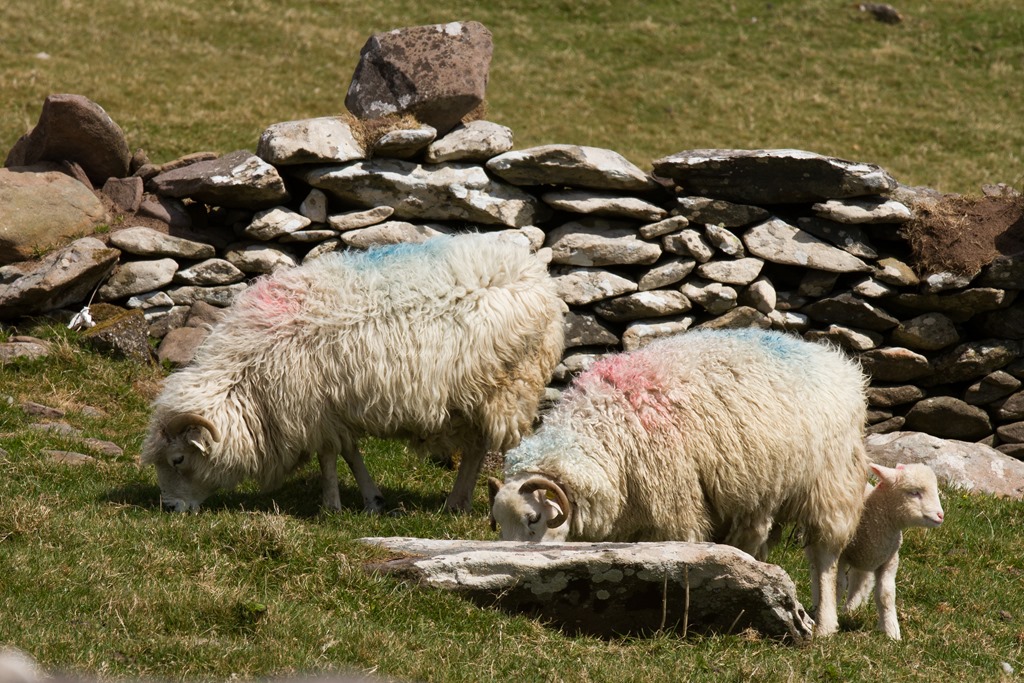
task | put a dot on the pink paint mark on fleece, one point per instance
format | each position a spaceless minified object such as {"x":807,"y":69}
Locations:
{"x":637,"y":379}
{"x":274,"y":301}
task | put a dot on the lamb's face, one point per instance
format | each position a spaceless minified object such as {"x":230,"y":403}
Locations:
{"x":917,"y":491}
{"x":183,"y":469}
{"x":525,"y":514}
{"x":920,"y":491}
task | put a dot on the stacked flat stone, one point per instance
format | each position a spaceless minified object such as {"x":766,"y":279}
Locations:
{"x":782,"y":239}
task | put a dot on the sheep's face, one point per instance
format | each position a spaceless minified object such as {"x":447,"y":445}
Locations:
{"x":183,"y":469}
{"x":526,"y":514}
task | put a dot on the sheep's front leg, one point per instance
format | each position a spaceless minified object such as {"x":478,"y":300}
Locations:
{"x":373,"y":499}
{"x":885,"y":598}
{"x":824,"y":564}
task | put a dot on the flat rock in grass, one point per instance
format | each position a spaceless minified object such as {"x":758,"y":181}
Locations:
{"x":327,"y":139}
{"x":238,"y":180}
{"x":67,"y":457}
{"x":611,"y":589}
{"x":475,"y":141}
{"x":972,"y":467}
{"x":12,"y":350}
{"x":604,"y":204}
{"x":772,"y":176}
{"x":456,"y":192}
{"x":575,"y":166}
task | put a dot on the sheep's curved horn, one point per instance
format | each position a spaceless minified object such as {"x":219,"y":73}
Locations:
{"x":180,"y":423}
{"x":535,"y":483}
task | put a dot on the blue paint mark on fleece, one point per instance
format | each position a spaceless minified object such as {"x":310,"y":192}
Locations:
{"x":550,"y":441}
{"x":391,"y":254}
{"x":778,"y":345}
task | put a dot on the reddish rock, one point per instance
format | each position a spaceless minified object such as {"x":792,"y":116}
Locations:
{"x":437,"y":73}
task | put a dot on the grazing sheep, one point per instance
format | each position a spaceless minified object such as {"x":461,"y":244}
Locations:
{"x":709,"y":435}
{"x":448,"y":343}
{"x":906,"y":496}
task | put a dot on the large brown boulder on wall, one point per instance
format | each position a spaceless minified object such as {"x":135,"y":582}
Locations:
{"x":42,"y":210}
{"x":437,"y":73}
{"x":74,"y":128}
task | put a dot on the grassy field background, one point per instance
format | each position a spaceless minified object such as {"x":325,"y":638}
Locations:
{"x":94,"y":579}
{"x":935,"y":100}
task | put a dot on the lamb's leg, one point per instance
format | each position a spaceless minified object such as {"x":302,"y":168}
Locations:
{"x":860,"y":583}
{"x":824,"y":564}
{"x":373,"y":499}
{"x":885,"y":597}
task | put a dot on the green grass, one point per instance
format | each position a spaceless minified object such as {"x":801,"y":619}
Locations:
{"x":96,"y":580}
{"x":934,"y":100}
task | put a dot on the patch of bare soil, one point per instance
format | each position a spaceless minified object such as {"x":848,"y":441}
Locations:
{"x":962,"y":234}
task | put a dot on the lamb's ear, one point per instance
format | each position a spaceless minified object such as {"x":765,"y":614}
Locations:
{"x":493,"y":486}
{"x":885,"y":474}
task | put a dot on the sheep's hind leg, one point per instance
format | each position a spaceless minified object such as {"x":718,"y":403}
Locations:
{"x":329,"y":496}
{"x":373,"y":499}
{"x":461,"y":497}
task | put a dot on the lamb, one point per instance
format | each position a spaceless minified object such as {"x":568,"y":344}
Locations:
{"x":449,"y":344}
{"x":705,"y":436}
{"x":906,"y":496}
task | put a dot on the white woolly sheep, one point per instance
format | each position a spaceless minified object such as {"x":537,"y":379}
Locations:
{"x":448,"y":343}
{"x":706,"y":436}
{"x":906,"y":496}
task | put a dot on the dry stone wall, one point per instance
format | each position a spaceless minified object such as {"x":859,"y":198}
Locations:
{"x":782,"y":239}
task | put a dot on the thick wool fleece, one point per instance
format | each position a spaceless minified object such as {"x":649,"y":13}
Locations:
{"x":449,"y":342}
